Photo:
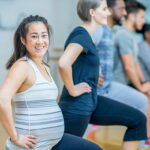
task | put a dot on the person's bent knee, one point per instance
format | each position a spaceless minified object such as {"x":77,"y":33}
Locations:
{"x":141,"y":123}
{"x":142,"y":119}
{"x":137,"y":130}
{"x":142,"y":101}
{"x":145,"y":104}
{"x":92,"y":146}
{"x":138,"y":120}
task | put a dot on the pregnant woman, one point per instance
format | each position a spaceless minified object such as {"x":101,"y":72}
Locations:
{"x":39,"y":123}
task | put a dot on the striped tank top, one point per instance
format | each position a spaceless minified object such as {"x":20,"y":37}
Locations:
{"x":38,"y":114}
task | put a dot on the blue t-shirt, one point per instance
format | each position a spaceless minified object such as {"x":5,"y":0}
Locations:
{"x":84,"y":69}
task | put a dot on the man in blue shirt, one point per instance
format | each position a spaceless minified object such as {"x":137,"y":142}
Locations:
{"x":103,"y":39}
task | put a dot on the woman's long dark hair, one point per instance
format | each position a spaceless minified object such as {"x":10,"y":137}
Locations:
{"x":19,"y":49}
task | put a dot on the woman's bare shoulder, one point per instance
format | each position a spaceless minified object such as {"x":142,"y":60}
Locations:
{"x":21,"y":63}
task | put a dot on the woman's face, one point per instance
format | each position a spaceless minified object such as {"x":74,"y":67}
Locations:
{"x":101,"y":13}
{"x":37,"y":40}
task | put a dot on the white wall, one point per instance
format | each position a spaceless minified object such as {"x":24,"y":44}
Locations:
{"x":61,"y":14}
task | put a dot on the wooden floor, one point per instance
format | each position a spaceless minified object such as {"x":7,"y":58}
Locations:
{"x":109,"y":138}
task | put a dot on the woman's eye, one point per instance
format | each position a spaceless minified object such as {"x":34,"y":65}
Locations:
{"x":44,"y":36}
{"x":34,"y":37}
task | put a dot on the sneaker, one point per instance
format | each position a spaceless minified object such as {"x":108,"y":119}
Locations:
{"x":148,"y":142}
{"x":144,"y":144}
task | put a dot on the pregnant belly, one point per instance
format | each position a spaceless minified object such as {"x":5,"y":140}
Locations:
{"x":47,"y":126}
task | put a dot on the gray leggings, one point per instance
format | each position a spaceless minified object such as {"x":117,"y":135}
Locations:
{"x":126,"y":95}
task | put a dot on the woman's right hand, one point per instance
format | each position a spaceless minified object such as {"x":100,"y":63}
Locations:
{"x":79,"y":89}
{"x":26,"y":141}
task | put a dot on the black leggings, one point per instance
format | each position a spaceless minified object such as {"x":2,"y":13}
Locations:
{"x":109,"y":112}
{"x":71,"y":142}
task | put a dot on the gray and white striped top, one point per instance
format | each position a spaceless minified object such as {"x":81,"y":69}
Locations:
{"x":38,"y":114}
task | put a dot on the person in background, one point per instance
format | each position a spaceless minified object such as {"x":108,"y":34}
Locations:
{"x":103,"y":40}
{"x":79,"y":69}
{"x":144,"y":52}
{"x":126,"y":66}
{"x":144,"y":55}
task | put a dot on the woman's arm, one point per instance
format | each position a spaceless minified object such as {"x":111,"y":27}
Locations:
{"x":14,"y":79}
{"x":65,"y":67}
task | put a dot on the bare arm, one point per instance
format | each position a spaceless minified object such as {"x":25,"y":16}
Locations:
{"x":130,"y":70}
{"x":13,"y":81}
{"x":65,"y":67}
{"x":139,"y":71}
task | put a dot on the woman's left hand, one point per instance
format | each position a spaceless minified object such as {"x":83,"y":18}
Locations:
{"x":100,"y":80}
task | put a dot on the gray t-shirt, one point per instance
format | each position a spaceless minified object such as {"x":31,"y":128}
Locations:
{"x":125,"y":43}
{"x":144,"y":59}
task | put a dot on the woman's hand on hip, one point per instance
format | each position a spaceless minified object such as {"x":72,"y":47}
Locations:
{"x":80,"y":89}
{"x":26,"y":141}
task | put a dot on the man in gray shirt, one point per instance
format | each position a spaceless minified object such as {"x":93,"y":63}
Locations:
{"x":144,"y":52}
{"x":126,"y":66}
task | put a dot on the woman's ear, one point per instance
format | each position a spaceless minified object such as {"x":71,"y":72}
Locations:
{"x":91,"y":12}
{"x":22,"y":40}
